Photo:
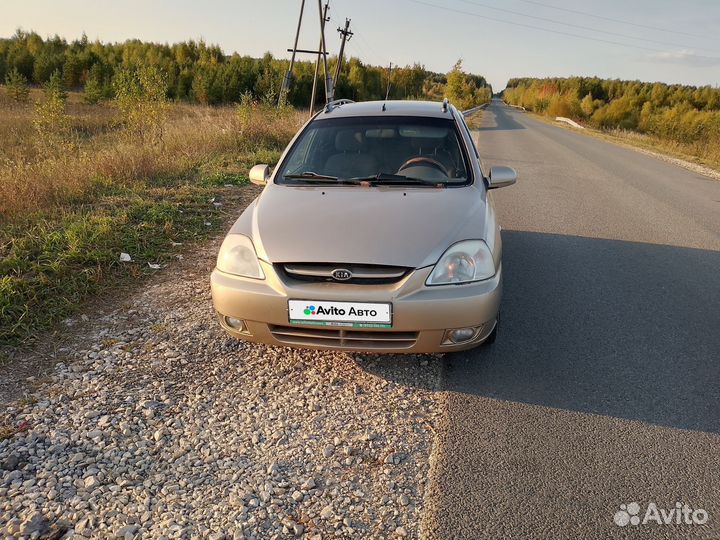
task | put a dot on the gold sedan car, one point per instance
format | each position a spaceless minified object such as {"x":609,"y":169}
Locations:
{"x":375,"y":232}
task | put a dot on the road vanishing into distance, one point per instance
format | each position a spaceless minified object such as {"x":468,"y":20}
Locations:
{"x":604,"y":385}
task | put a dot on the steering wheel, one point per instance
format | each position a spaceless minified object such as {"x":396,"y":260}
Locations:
{"x":425,"y":161}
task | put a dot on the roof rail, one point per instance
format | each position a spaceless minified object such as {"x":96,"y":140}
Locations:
{"x":330,"y":106}
{"x":445,"y":104}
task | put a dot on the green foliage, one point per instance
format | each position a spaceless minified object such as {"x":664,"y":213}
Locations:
{"x":140,"y":97}
{"x":466,"y":91}
{"x":98,"y":86}
{"x":685,"y":115}
{"x":93,"y":92}
{"x":51,"y":121}
{"x":51,"y":265}
{"x":198,"y":72}
{"x":55,"y":87}
{"x":17,"y":86}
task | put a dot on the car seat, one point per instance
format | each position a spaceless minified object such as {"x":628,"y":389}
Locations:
{"x":350,"y":161}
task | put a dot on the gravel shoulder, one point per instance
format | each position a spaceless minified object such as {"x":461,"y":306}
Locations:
{"x":150,"y":422}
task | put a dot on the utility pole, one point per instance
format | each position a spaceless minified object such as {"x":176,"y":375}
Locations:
{"x":323,"y":48}
{"x":321,"y":52}
{"x":346,"y":36}
{"x":287,"y":80}
{"x":387,"y":94}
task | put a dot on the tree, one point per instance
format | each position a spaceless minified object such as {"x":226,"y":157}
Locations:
{"x":141,"y":99}
{"x":46,"y":63}
{"x":93,"y":92}
{"x":97,"y":85}
{"x":55,"y":87}
{"x":73,"y":70}
{"x":587,"y":105}
{"x":51,"y":122}
{"x":196,"y":71}
{"x":17,"y":86}
{"x":463,"y":90}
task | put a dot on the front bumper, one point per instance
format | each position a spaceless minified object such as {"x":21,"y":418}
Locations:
{"x":421,"y":314}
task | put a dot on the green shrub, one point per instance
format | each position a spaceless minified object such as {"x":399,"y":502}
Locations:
{"x":140,"y":97}
{"x":16,"y":86}
{"x":51,"y":122}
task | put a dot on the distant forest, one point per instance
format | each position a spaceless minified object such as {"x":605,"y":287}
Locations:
{"x":194,"y":71}
{"x":688,"y":116}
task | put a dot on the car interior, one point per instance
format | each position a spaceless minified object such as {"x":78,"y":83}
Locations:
{"x":359,"y":151}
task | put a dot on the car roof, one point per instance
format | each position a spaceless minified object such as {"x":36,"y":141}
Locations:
{"x":428,"y":109}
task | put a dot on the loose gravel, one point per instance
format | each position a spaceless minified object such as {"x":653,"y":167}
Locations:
{"x":156,"y":424}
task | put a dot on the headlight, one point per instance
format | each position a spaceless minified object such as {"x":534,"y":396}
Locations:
{"x":237,"y":256}
{"x":466,"y":261}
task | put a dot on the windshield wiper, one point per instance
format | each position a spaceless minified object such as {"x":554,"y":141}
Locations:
{"x":388,"y":179}
{"x":310,"y":176}
{"x":379,"y":179}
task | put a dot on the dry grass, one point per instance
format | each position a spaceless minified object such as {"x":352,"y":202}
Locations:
{"x":196,"y":139}
{"x":701,"y":152}
{"x":69,"y":208}
{"x":474,"y":121}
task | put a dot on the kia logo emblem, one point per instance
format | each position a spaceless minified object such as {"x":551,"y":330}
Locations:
{"x":341,"y":274}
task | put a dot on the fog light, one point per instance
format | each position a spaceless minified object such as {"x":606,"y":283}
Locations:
{"x":461,"y":334}
{"x":235,"y":324}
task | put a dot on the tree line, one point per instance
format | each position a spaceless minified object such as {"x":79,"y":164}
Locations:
{"x":682,"y":114}
{"x":195,"y":71}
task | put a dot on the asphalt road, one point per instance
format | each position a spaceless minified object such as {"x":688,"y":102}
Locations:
{"x":604,"y":385}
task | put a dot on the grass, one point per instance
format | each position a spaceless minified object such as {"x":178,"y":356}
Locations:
{"x":474,"y":120}
{"x":69,"y":209}
{"x":708,"y":157}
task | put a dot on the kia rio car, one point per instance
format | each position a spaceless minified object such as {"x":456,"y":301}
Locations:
{"x":375,"y":232}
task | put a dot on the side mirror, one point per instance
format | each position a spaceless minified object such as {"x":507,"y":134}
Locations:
{"x":260,"y":174}
{"x":501,"y":177}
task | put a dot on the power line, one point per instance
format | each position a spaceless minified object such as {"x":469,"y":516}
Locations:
{"x":545,"y":19}
{"x":559,"y":32}
{"x":371,"y":49}
{"x":358,"y":51}
{"x":604,"y":18}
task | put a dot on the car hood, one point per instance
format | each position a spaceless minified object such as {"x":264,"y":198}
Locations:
{"x":389,"y":226}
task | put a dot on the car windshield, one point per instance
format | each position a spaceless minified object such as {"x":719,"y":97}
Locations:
{"x":390,"y":151}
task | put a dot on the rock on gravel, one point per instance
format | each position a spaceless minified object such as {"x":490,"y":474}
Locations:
{"x":158,"y":425}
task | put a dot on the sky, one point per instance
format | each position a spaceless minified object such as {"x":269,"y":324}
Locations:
{"x":651,"y":40}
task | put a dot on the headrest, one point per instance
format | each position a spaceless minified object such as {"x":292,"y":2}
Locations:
{"x":348,"y":141}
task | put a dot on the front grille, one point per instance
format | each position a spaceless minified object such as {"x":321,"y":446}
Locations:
{"x":369,"y":274}
{"x":340,"y":337}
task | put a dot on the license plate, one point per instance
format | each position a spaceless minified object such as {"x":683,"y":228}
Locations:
{"x":351,"y":314}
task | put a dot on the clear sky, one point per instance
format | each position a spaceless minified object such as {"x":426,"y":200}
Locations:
{"x":652,"y":40}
